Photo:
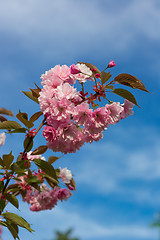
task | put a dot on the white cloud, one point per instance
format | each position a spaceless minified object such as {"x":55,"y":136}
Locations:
{"x":113,"y":165}
{"x":84,"y":226}
{"x":70,"y":25}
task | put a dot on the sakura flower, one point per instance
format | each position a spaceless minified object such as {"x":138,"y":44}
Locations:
{"x":101,"y":117}
{"x":85,"y":74}
{"x":64,"y":194}
{"x":51,"y":79}
{"x":82,"y":113}
{"x":49,"y":133}
{"x":2,"y":138}
{"x":115,"y":112}
{"x":45,"y":98}
{"x":74,"y":69}
{"x":32,"y":157}
{"x":66,"y":91}
{"x":65,"y":175}
{"x":60,"y":110}
{"x":127,"y":109}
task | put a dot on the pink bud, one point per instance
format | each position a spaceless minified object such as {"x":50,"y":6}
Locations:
{"x":111,"y":64}
{"x":74,"y":69}
{"x":97,"y":75}
{"x":71,"y":188}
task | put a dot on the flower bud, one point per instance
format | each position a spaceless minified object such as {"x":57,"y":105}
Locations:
{"x":74,"y":69}
{"x":111,"y":64}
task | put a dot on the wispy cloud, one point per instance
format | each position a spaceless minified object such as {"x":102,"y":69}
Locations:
{"x":61,"y":24}
{"x":84,"y":227}
{"x":113,"y":166}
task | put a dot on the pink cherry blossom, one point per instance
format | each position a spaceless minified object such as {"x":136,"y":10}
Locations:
{"x":2,"y":138}
{"x":115,"y":112}
{"x":65,"y":175}
{"x":32,"y":157}
{"x":85,"y":74}
{"x":101,"y":117}
{"x":45,"y":98}
{"x":64,"y":194}
{"x":70,"y":120}
{"x":66,"y":91}
{"x":127,"y":109}
{"x":74,"y":69}
{"x":49,"y":133}
{"x":82,"y":113}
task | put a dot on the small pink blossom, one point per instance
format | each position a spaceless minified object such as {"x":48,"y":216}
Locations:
{"x":49,"y":133}
{"x":45,"y":98}
{"x":64,"y":194}
{"x":32,"y":157}
{"x":101,"y":117}
{"x":57,"y":75}
{"x":65,"y":175}
{"x":66,"y":91}
{"x":111,"y":64}
{"x":115,"y":112}
{"x":2,"y":138}
{"x":82,"y":113}
{"x":74,"y":69}
{"x":85,"y":74}
{"x":127,"y":109}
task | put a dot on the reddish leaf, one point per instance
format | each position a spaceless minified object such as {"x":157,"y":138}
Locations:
{"x":130,"y":81}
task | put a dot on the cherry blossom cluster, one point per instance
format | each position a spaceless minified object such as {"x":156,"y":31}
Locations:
{"x":70,"y":118}
{"x":45,"y":198}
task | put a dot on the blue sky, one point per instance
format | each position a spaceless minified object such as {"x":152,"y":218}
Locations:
{"x":117,"y":178}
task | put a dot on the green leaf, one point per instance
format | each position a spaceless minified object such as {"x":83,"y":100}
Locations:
{"x":29,"y":95}
{"x":19,"y":130}
{"x":2,"y":205}
{"x":13,"y":188}
{"x":73,"y":183}
{"x":46,"y":167}
{"x":91,"y":66}
{"x":126,"y":94}
{"x":37,"y":86}
{"x":109,"y":87}
{"x":52,"y":159}
{"x":130,"y":81}
{"x":52,"y":182}
{"x":1,"y":185}
{"x":2,"y":119}
{"x":9,"y":125}
{"x":35,"y":92}
{"x":6,"y":112}
{"x":13,"y":228}
{"x":35,"y":116}
{"x":8,"y":159}
{"x":105,"y":77}
{"x":23,"y":118}
{"x":40,"y":150}
{"x":1,"y":162}
{"x":28,"y":144}
{"x":33,"y":179}
{"x":16,"y":219}
{"x":17,"y":169}
{"x":12,"y":199}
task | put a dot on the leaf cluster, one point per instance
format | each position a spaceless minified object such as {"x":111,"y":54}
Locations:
{"x":123,"y":79}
